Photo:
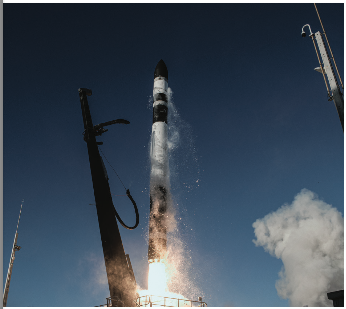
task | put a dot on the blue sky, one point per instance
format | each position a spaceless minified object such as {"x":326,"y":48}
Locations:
{"x":255,"y":129}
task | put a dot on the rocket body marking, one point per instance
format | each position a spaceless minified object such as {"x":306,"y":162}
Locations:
{"x":159,"y":176}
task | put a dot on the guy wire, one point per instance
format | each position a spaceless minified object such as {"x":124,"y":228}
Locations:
{"x":129,"y":196}
{"x":112,"y":168}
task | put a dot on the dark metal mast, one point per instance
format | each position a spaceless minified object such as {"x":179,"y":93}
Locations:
{"x":121,"y":280}
{"x":9,"y":272}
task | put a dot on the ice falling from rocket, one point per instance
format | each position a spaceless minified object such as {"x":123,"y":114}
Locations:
{"x":159,"y":176}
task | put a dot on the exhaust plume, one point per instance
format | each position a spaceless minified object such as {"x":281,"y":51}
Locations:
{"x":308,"y":236}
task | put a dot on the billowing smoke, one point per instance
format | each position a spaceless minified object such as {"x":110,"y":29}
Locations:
{"x":308,"y":236}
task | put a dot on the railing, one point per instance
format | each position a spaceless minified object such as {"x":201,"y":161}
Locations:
{"x":162,"y":301}
{"x":157,"y":301}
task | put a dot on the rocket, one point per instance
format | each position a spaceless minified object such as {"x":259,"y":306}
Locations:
{"x":159,"y":175}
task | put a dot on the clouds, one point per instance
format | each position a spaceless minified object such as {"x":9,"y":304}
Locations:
{"x":308,"y":236}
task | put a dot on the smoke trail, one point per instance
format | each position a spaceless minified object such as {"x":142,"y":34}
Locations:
{"x":183,"y":159}
{"x":182,"y":277}
{"x":308,"y":236}
{"x":184,"y":170}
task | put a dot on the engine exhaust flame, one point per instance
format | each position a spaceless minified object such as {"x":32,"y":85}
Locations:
{"x":158,"y":294}
{"x":157,"y":279}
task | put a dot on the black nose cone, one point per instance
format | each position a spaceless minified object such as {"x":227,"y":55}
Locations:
{"x":161,"y":70}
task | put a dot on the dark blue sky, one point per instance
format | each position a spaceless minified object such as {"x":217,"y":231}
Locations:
{"x":255,"y":125}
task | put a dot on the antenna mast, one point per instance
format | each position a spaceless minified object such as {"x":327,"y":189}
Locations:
{"x":331,"y":53}
{"x":327,"y":70}
{"x":14,"y":249}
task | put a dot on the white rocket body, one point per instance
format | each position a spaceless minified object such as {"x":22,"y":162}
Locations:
{"x":159,"y":148}
{"x":159,"y":175}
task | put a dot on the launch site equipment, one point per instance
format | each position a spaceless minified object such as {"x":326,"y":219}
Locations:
{"x":121,"y":280}
{"x":15,"y":248}
{"x":326,"y":68}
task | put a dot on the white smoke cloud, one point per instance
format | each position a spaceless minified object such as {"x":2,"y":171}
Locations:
{"x":308,"y":236}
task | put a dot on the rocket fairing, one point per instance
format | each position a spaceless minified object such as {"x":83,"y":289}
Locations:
{"x":159,"y":176}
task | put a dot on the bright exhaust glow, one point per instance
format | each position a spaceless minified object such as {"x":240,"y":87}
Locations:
{"x":157,"y":281}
